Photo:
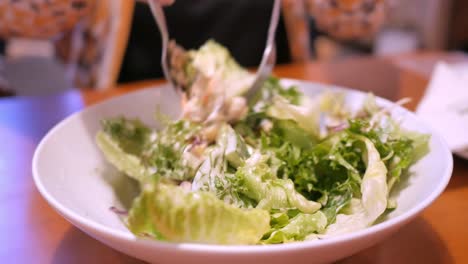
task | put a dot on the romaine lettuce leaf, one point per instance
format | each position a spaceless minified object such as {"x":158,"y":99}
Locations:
{"x":297,"y":228}
{"x":122,"y":142}
{"x":199,"y":217}
{"x":139,"y":219}
{"x":127,"y":163}
{"x":131,"y":135}
{"x":139,"y":152}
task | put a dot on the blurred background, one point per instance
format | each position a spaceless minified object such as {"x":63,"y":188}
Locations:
{"x":54,"y":45}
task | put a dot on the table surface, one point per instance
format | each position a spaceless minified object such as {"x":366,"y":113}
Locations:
{"x":33,"y":233}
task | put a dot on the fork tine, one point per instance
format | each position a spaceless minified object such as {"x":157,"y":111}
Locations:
{"x":269,"y":54}
{"x":158,"y":15}
{"x":270,"y":43}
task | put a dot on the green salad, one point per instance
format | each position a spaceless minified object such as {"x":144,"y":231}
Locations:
{"x":280,"y":168}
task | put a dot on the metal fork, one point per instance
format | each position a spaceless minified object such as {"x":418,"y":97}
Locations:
{"x":269,"y":54}
{"x":158,"y":14}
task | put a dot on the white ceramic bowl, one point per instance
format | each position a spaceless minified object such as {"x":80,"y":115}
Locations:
{"x":74,"y":178}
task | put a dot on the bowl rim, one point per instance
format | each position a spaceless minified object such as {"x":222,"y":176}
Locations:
{"x":81,"y":221}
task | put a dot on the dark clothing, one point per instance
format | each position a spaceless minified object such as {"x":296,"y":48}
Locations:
{"x":239,"y":25}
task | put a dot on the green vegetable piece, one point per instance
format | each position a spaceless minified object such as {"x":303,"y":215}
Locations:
{"x":374,"y":194}
{"x":298,"y":228}
{"x":167,"y":155}
{"x":198,"y":217}
{"x":214,"y":59}
{"x":289,"y":131}
{"x":127,"y":163}
{"x":131,"y":135}
{"x":213,"y":176}
{"x":270,"y":192}
{"x":306,"y":116}
{"x":374,"y":183}
{"x":420,"y":144}
{"x":139,"y":219}
{"x":235,"y":148}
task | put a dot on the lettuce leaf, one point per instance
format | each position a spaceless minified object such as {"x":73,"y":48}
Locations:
{"x":198,"y":217}
{"x":216,"y":173}
{"x":297,"y":228}
{"x":168,"y":156}
{"x":374,"y":191}
{"x":328,"y":172}
{"x":131,"y":135}
{"x":125,"y":162}
{"x":398,"y":148}
{"x":260,"y":184}
{"x":122,"y":141}
{"x":311,"y":114}
{"x":139,"y":152}
{"x":306,"y":116}
{"x":374,"y":188}
{"x":212,"y":59}
{"x":294,"y":168}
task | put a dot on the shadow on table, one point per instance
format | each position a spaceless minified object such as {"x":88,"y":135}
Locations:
{"x":459,"y":178}
{"x":78,"y":247}
{"x":415,"y":243}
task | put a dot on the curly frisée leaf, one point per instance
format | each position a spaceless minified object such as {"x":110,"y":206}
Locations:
{"x":270,"y":192}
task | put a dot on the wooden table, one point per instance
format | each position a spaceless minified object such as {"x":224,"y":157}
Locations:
{"x":31,"y":232}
